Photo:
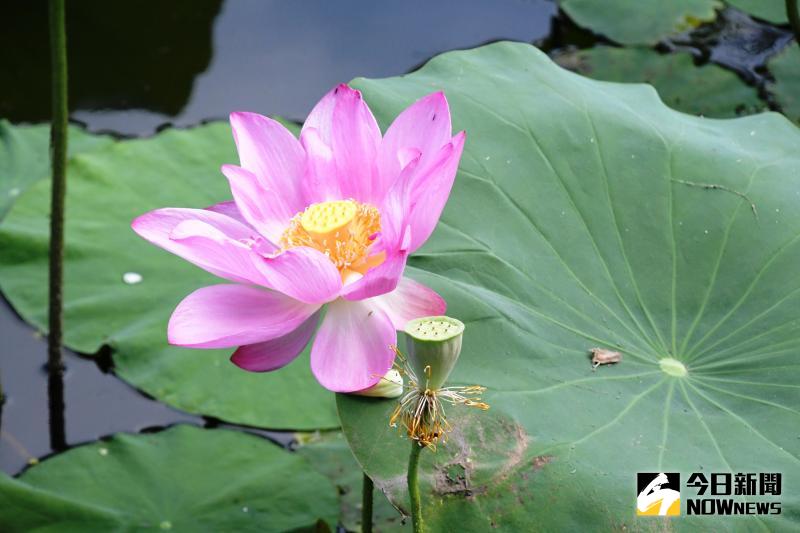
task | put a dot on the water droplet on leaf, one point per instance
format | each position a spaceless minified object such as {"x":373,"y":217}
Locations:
{"x":132,"y":278}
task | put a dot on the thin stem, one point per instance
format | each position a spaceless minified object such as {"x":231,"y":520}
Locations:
{"x":367,"y":490}
{"x":58,"y":162}
{"x":2,"y":401}
{"x":413,"y":487}
{"x":794,"y":18}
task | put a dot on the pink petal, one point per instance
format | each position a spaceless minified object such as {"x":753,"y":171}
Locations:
{"x":276,"y":353}
{"x":264,"y":209}
{"x":216,"y":245}
{"x":407,"y":155}
{"x":321,"y":117}
{"x":321,"y":183}
{"x":303,"y":273}
{"x":228,"y":209}
{"x":351,"y":351}
{"x":355,"y":139}
{"x":423,"y":126}
{"x":395,"y":241}
{"x":410,"y":300}
{"x":270,"y":151}
{"x":227,"y":248}
{"x":431,"y":189}
{"x":345,"y":124}
{"x":221,"y":316}
{"x":396,"y":206}
{"x":378,"y":280}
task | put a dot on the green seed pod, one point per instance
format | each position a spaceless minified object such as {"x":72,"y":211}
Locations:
{"x":433,"y":344}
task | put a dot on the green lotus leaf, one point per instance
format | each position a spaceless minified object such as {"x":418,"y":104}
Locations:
{"x":181,"y":479}
{"x":642,"y":21}
{"x":770,"y":10}
{"x":107,"y":189}
{"x":24,"y":156}
{"x":330,"y":455}
{"x":785,"y":68}
{"x":587,"y":214}
{"x":709,"y":90}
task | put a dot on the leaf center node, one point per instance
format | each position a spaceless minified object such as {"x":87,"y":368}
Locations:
{"x":673,"y":367}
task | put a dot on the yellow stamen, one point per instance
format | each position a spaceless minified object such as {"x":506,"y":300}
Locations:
{"x":421,"y":411}
{"x":341,"y":230}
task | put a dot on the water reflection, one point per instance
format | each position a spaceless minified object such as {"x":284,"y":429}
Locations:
{"x":734,"y":41}
{"x":136,"y":65}
{"x":96,"y":403}
{"x":122,"y":55}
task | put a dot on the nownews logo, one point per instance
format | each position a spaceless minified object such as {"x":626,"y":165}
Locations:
{"x":659,"y":493}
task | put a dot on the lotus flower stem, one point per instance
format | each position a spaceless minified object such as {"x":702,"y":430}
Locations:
{"x":413,"y":486}
{"x":58,"y":162}
{"x":793,"y":15}
{"x":434,"y":344}
{"x":366,"y":504}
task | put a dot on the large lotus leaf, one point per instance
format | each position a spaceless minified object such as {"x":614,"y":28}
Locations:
{"x":710,"y":90}
{"x":107,"y":189}
{"x":181,"y":479}
{"x":588,"y":214}
{"x":785,"y":68}
{"x":329,"y":454}
{"x":24,"y":156}
{"x":769,"y":10}
{"x":642,"y":21}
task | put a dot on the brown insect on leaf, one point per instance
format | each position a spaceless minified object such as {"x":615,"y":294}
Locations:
{"x":601,"y":356}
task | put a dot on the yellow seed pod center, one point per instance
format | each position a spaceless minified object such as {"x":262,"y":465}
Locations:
{"x":343,"y":230}
{"x":328,"y":217}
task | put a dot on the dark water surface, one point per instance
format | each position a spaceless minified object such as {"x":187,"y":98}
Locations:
{"x":734,"y":41}
{"x":97,"y":403}
{"x":135,"y":66}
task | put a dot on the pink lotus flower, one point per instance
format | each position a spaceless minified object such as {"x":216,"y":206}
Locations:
{"x":328,"y":220}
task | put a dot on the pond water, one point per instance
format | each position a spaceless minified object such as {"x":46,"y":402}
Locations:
{"x":200,"y":60}
{"x":136,"y":67}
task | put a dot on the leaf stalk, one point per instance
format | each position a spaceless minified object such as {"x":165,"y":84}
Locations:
{"x":367,"y":490}
{"x":58,"y":163}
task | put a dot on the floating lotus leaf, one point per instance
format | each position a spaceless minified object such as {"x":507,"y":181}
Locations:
{"x":770,"y":10}
{"x":120,"y":290}
{"x":587,"y":214}
{"x":329,"y":454}
{"x":181,"y":479}
{"x":785,"y":67}
{"x":642,"y":21}
{"x":709,"y":90}
{"x":24,"y":156}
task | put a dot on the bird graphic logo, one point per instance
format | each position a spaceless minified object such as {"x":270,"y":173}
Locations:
{"x":659,"y":494}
